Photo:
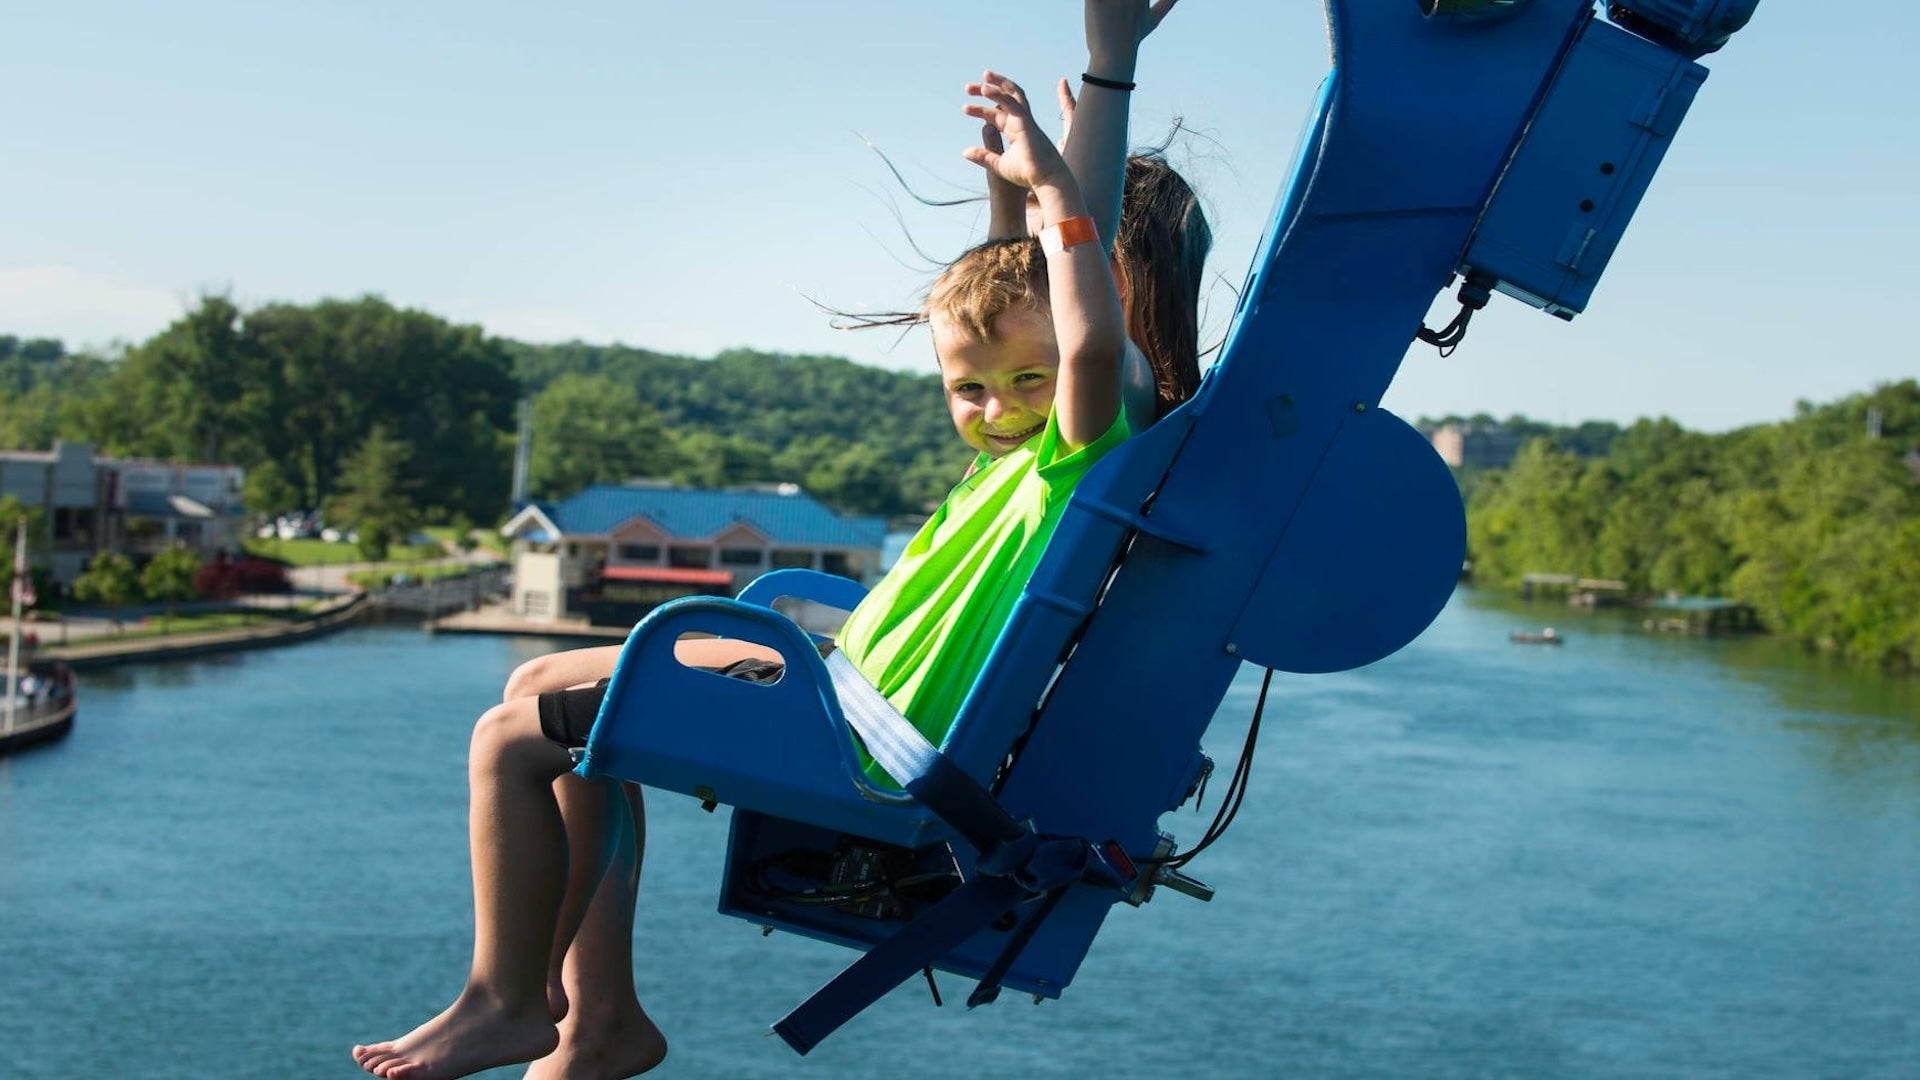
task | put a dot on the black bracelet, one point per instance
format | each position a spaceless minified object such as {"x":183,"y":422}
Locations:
{"x":1110,"y":84}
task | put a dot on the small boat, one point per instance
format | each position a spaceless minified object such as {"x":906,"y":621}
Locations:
{"x":42,"y":708}
{"x":36,"y":700}
{"x":1548,"y":636}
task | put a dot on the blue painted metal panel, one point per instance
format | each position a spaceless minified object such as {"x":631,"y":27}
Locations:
{"x":1587,"y":160}
{"x":1368,"y":560}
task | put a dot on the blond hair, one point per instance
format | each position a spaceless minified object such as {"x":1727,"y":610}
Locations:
{"x":987,"y":281}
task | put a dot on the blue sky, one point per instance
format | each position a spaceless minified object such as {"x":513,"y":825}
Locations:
{"x":684,"y":177}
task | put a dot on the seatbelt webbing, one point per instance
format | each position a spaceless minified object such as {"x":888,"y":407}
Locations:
{"x":919,"y":766}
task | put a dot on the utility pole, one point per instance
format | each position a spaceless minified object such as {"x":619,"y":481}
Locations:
{"x":523,"y":454}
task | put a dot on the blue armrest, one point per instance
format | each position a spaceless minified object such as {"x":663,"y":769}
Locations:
{"x":830,"y":590}
{"x":782,"y":747}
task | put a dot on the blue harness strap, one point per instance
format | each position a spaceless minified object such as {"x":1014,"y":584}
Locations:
{"x":1015,"y":865}
{"x":965,"y":912}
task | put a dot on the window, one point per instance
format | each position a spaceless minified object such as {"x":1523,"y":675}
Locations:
{"x":783,"y":560}
{"x":835,"y":562}
{"x":739,"y":556}
{"x":639,"y":552}
{"x":690,"y":558}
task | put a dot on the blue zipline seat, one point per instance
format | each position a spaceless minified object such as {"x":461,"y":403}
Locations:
{"x":1281,"y":517}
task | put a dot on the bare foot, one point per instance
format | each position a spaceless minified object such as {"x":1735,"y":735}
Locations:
{"x":474,"y":1033}
{"x":603,"y":1048}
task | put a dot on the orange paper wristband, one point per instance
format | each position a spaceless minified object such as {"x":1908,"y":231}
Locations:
{"x":1067,"y":233}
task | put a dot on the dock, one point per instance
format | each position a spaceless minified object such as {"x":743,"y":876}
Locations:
{"x":498,"y":618}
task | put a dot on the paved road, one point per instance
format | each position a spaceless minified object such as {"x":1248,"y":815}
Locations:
{"x":333,"y":578}
{"x":308,"y":582}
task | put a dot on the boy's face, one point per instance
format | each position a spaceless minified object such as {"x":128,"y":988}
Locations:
{"x":999,"y":392}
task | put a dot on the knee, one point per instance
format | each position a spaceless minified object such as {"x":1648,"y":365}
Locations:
{"x":501,"y":727}
{"x":528,"y":680}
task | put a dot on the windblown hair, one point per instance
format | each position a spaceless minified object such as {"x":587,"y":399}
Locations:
{"x":989,"y":280}
{"x":1161,"y":254}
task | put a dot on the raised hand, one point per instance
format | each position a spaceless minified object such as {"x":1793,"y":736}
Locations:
{"x":1115,"y":29}
{"x":1027,"y":158}
{"x":1006,"y":203}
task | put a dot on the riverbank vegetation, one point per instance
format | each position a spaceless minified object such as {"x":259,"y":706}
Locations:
{"x":1814,"y":522}
{"x":386,"y":418}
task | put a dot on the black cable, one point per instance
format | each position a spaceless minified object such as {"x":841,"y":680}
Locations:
{"x":1236,"y":787}
{"x":1474,"y":293}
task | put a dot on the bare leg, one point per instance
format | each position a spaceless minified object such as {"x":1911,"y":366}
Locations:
{"x":607,"y":1034}
{"x":520,"y":856}
{"x":584,"y":667}
{"x":594,"y":837}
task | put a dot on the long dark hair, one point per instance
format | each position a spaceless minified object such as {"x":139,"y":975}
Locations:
{"x":1161,"y":252}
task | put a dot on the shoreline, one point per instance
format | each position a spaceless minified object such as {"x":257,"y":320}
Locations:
{"x":331,"y":615}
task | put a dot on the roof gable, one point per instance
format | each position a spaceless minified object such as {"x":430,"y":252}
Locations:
{"x":689,"y":514}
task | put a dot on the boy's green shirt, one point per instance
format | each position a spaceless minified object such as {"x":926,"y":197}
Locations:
{"x":923,"y":634}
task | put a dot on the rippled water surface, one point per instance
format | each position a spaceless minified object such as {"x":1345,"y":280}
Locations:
{"x":1627,"y":856}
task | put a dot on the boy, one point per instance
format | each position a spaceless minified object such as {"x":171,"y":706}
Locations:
{"x":1029,"y":336}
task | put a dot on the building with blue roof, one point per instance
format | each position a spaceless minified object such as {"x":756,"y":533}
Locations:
{"x":613,"y":552}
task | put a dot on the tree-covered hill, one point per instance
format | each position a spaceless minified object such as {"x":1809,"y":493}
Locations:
{"x":866,"y":438}
{"x":379,"y":412}
{"x":294,"y":393}
{"x":1813,"y":521}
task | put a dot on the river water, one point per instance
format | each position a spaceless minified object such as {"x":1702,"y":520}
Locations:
{"x":1627,"y":856}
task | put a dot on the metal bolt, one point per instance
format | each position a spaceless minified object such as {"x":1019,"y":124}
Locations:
{"x":1232,"y":649}
{"x":1359,"y":406}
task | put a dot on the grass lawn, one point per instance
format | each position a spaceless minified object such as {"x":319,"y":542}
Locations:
{"x":382,"y":576}
{"x":490,"y":539}
{"x":321,"y":553}
{"x":155,"y":626}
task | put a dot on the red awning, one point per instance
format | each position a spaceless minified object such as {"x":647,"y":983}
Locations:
{"x":671,"y":575}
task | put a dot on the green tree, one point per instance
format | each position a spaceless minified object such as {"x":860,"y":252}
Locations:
{"x":464,"y":536}
{"x":592,"y":429}
{"x":858,"y":478}
{"x":374,"y":498}
{"x":168,"y":578}
{"x":1812,"y":522}
{"x":109,"y":581}
{"x":268,"y":491}
{"x":712,"y":460}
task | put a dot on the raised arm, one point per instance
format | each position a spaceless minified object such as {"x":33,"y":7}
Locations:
{"x":1085,"y":305}
{"x":1097,"y":152}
